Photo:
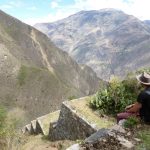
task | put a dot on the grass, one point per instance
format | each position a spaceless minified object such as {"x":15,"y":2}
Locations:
{"x":38,"y":143}
{"x":144,"y":135}
{"x":26,"y":71}
{"x":47,"y":119}
{"x":23,"y":72}
{"x":83,"y":109}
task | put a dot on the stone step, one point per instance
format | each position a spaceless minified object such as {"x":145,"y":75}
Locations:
{"x":43,"y":123}
{"x":81,"y":108}
{"x":28,"y":128}
{"x":78,"y":121}
{"x":33,"y":127}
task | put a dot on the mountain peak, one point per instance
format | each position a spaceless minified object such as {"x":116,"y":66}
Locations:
{"x":105,"y":40}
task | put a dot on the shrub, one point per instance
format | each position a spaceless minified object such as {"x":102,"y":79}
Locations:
{"x":116,"y":96}
{"x":22,"y":75}
{"x":131,"y":122}
{"x":8,"y":133}
{"x":72,"y":97}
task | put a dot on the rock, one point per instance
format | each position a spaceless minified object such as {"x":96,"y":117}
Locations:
{"x":125,"y":143}
{"x":74,"y":147}
{"x":99,"y":134}
{"x":129,"y":133}
{"x":121,"y":122}
{"x":118,"y":128}
{"x":105,"y":136}
{"x":137,"y":140}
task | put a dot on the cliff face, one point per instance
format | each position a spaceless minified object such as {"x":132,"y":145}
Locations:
{"x":108,"y":40}
{"x":35,"y":75}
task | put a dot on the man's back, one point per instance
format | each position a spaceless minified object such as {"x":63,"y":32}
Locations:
{"x":144,"y":99}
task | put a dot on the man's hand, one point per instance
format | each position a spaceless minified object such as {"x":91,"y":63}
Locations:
{"x":128,"y":107}
{"x":135,"y":108}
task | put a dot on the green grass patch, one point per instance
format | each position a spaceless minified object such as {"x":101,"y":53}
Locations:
{"x":23,"y":72}
{"x":131,"y":122}
{"x":145,"y":137}
{"x":83,"y":110}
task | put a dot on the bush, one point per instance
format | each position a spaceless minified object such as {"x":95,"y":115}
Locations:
{"x":131,"y":122}
{"x":116,"y":96}
{"x":8,"y":130}
{"x":22,"y":75}
{"x":72,"y":97}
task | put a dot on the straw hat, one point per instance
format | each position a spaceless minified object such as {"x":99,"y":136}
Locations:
{"x":144,"y":78}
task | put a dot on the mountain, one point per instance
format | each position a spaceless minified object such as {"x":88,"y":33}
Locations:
{"x":108,"y":40}
{"x":35,"y":75}
{"x":147,"y":22}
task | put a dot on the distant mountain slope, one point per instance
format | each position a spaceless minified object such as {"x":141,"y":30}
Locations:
{"x":108,"y":40}
{"x":35,"y":75}
{"x":147,"y":22}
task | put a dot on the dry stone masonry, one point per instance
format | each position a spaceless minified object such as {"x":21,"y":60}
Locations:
{"x":71,"y":126}
{"x":69,"y":123}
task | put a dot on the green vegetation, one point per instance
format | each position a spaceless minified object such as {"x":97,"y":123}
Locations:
{"x":144,"y":135}
{"x":25,"y":71}
{"x":72,"y":97}
{"x":131,"y":122}
{"x":22,"y":75}
{"x":2,"y":125}
{"x":82,"y":109}
{"x":117,"y":95}
{"x":8,"y":133}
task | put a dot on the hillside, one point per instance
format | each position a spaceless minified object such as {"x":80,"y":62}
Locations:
{"x":147,"y":22}
{"x":108,"y":40}
{"x":35,"y":75}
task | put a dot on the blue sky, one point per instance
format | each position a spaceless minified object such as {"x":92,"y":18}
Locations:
{"x":34,"y":11}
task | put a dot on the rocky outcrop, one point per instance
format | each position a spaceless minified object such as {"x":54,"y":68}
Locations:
{"x":108,"y":40}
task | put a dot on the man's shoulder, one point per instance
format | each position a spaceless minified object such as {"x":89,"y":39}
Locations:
{"x":147,"y":91}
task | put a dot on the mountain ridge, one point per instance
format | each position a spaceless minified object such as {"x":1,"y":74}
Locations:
{"x":107,"y":40}
{"x":35,"y":75}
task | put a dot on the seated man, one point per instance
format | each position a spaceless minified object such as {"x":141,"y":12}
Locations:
{"x":142,"y":107}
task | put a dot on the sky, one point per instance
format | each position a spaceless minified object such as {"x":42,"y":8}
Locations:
{"x":39,"y":11}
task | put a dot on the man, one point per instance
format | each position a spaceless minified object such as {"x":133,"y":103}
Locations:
{"x":142,"y":107}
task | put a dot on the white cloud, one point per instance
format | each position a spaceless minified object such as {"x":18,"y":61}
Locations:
{"x":32,"y":8}
{"x":11,"y":4}
{"x":16,"y":3}
{"x":5,"y":7}
{"x":49,"y":18}
{"x":54,"y":4}
{"x":138,"y":8}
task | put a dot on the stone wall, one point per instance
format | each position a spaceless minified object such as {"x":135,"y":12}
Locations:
{"x":71,"y":125}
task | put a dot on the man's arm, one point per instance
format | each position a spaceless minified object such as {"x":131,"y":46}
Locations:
{"x":129,"y":106}
{"x":135,"y":108}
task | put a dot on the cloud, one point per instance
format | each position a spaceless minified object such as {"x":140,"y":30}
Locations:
{"x":5,"y":7}
{"x":11,"y":5}
{"x":49,"y":18}
{"x":54,"y":4}
{"x":32,"y":8}
{"x":138,"y":8}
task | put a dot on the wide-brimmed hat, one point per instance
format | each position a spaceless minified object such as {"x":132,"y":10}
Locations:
{"x":144,"y":78}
